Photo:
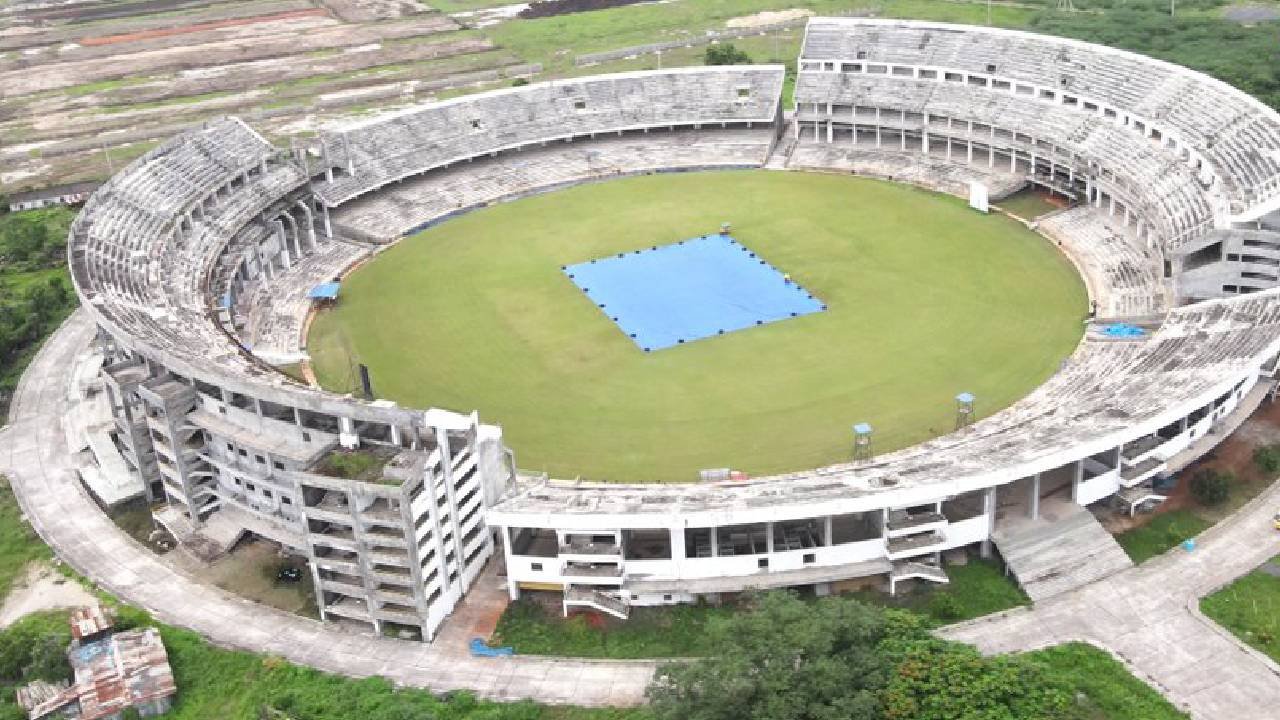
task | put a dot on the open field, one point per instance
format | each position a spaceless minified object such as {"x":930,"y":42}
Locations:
{"x":926,"y":299}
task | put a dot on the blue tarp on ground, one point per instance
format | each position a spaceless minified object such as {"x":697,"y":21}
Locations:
{"x":679,"y":293}
{"x":480,"y":649}
{"x":324,"y":291}
{"x":1123,"y":330}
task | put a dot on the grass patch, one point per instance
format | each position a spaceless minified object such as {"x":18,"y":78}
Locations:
{"x":1250,"y":608}
{"x":361,"y":465}
{"x":976,"y":589}
{"x":650,"y":632}
{"x":19,"y":544}
{"x":1164,"y":532}
{"x":487,"y":300}
{"x":1104,"y":688}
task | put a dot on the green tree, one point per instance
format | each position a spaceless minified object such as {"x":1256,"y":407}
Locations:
{"x":725,"y":54}
{"x":785,"y":659}
{"x":1210,"y":487}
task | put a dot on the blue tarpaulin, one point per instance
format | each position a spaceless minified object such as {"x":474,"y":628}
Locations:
{"x":324,"y":291}
{"x":480,"y":649}
{"x":1123,"y":330}
{"x":674,"y":294}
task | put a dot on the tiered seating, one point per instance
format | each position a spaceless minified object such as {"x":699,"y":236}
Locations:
{"x":1235,"y":133}
{"x":401,"y":208}
{"x":1124,"y":279}
{"x":1163,"y":189}
{"x":275,"y":310}
{"x":411,"y":142}
{"x":144,"y":246}
{"x":932,"y":171}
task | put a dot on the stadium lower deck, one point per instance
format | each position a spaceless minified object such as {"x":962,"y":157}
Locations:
{"x":191,"y":260}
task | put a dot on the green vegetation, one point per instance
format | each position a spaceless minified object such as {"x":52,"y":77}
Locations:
{"x":362,"y":465}
{"x":215,"y":684}
{"x":679,"y":631}
{"x":1163,"y":532}
{"x":1103,"y":687}
{"x":725,"y":54}
{"x":976,"y":589}
{"x":1250,"y":608}
{"x":917,"y":310}
{"x":35,"y":288}
{"x":1267,"y":459}
{"x":1211,"y":487}
{"x":19,"y":544}
{"x":839,"y":658}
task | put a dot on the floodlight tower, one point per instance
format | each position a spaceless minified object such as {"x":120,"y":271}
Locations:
{"x":862,"y":441}
{"x":964,"y":409}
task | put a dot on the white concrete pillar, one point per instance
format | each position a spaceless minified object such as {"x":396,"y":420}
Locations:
{"x":347,"y":436}
{"x":1035,"y":497}
{"x":989,"y":510}
{"x":513,"y":586}
{"x":826,"y":532}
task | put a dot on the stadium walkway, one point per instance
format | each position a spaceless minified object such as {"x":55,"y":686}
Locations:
{"x":34,"y":456}
{"x":1147,"y":616}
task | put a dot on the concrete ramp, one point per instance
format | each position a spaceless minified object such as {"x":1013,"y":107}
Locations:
{"x":1063,"y":550}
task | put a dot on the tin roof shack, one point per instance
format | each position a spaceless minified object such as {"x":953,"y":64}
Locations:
{"x":114,"y":671}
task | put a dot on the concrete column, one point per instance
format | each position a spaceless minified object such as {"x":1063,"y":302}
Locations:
{"x":1076,"y":480}
{"x":968,"y":151}
{"x":513,"y":587}
{"x":1034,"y":499}
{"x":715,"y":541}
{"x":284,"y":245}
{"x":988,"y":509}
{"x":768,"y":538}
{"x":311,"y":223}
{"x":678,"y":552}
{"x":826,"y":532}
{"x":347,"y":437}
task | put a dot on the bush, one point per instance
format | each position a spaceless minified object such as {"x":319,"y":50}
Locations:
{"x":726,"y":54}
{"x":1210,"y":487}
{"x":945,"y":606}
{"x":1267,"y":458}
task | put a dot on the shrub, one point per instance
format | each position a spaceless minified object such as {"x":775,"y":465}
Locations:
{"x":945,"y":606}
{"x":1267,"y":458}
{"x":726,"y":54}
{"x":1210,"y":487}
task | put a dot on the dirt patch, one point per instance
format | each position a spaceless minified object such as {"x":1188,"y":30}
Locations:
{"x":198,"y":27}
{"x":42,"y":588}
{"x":768,"y":17}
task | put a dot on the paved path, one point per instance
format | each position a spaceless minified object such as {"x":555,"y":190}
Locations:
{"x":34,"y":455}
{"x":1148,"y":617}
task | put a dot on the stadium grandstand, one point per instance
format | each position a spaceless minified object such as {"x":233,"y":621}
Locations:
{"x":196,"y":261}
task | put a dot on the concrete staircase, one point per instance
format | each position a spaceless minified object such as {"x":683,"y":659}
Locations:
{"x":582,"y":597}
{"x":1052,"y":555}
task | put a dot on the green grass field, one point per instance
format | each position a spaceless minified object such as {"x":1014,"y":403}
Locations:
{"x":926,"y":299}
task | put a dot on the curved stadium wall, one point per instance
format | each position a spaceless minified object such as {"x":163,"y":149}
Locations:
{"x":192,"y":261}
